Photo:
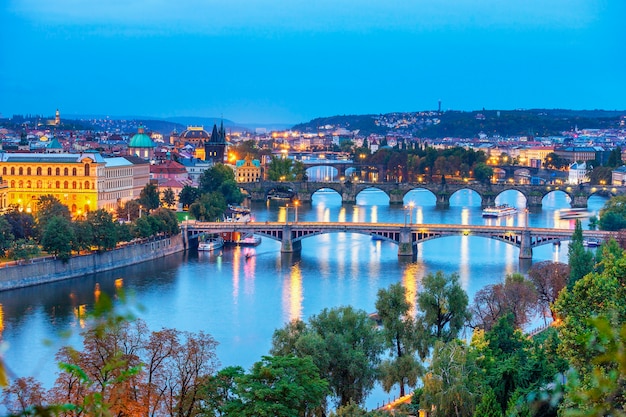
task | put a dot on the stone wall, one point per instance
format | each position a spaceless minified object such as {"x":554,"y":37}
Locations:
{"x":50,"y":270}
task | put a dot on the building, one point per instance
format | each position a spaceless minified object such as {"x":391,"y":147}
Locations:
{"x":169,"y":170}
{"x":124,"y":178}
{"x":74,"y":179}
{"x":141,"y":145}
{"x":578,"y":153}
{"x":195,"y":168}
{"x":194,"y":135}
{"x":618,"y":176}
{"x":215,"y":148}
{"x":141,"y":174}
{"x":248,"y":170}
{"x":578,"y":173}
{"x":4,"y":195}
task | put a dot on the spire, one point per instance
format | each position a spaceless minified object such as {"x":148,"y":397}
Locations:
{"x":215,"y":135}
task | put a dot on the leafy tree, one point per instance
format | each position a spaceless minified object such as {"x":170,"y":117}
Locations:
{"x":549,"y":279}
{"x":442,"y":304}
{"x":169,"y":197}
{"x":124,"y":232}
{"x":103,"y":228}
{"x":615,"y":158}
{"x":57,"y":237}
{"x":6,"y":235}
{"x":278,"y":386}
{"x":613,"y":215}
{"x":600,"y":175}
{"x":231,"y":192}
{"x":188,"y":195}
{"x":212,"y":179}
{"x":83,"y":235}
{"x":24,"y":249}
{"x":22,"y":224}
{"x":488,"y":406}
{"x":149,"y":197}
{"x":450,"y":385}
{"x":142,"y":227}
{"x":516,"y":296}
{"x":580,"y":260}
{"x":343,"y":344}
{"x":554,"y":161}
{"x":22,"y":395}
{"x":167,"y":221}
{"x":483,"y":173}
{"x":280,"y":169}
{"x":400,"y":333}
{"x":48,"y":207}
{"x":210,"y":207}
{"x":130,"y":210}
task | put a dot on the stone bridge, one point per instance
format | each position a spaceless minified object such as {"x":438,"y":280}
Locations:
{"x":407,"y":237}
{"x":534,"y":194}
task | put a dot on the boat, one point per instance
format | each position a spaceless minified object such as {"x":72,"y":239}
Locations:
{"x":591,"y":242}
{"x":499,"y":211}
{"x":248,"y":240}
{"x":210,"y":244}
{"x":573,"y":213}
{"x":237,"y":214}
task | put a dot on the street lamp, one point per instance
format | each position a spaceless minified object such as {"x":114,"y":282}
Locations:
{"x":287,"y":213}
{"x":296,"y":203}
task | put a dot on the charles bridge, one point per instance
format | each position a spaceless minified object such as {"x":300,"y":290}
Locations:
{"x":534,"y":194}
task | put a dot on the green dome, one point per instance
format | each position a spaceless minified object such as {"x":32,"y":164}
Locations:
{"x":141,"y":140}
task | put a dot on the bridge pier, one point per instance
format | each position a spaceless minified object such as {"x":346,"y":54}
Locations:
{"x":579,"y":201}
{"x":525,"y":249}
{"x":406,"y":246}
{"x":287,"y":244}
{"x":443,"y":200}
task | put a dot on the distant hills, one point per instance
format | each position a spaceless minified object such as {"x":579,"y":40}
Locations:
{"x":431,"y":124}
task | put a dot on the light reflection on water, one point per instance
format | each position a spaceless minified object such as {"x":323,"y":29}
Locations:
{"x":241,"y":299}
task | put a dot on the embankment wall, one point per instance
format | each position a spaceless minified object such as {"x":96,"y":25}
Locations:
{"x":51,"y":270}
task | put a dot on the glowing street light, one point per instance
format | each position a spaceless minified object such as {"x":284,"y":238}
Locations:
{"x":296,"y":203}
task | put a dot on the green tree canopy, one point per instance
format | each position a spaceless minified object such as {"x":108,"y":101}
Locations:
{"x":149,"y":197}
{"x":580,"y":260}
{"x":48,"y":207}
{"x":103,"y":229}
{"x":57,"y":237}
{"x":212,"y":179}
{"x":6,"y":235}
{"x":613,"y":215}
{"x":209,"y":207}
{"x":188,"y":195}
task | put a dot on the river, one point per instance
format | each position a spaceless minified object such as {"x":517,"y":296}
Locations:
{"x":241,"y":300}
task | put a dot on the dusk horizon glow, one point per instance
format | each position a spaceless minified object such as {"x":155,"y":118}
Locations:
{"x":268,"y":61}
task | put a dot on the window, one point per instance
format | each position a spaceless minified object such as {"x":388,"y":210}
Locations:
{"x":28,"y":171}
{"x":28,"y":184}
{"x":58,"y":184}
{"x":74,"y":172}
{"x":74,"y":185}
{"x":38,"y":170}
{"x":20,"y":184}
{"x":12,"y":171}
{"x":86,"y":185}
{"x":4,"y":171}
{"x":49,"y":171}
{"x":39,"y":184}
{"x":65,"y":185}
{"x":58,"y":172}
{"x":21,"y":171}
{"x":66,"y":172}
{"x":86,"y":170}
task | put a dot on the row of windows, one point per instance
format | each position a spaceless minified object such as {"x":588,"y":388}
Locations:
{"x":124,"y":172}
{"x":39,"y":171}
{"x":39,"y":184}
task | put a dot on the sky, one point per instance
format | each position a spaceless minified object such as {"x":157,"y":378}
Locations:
{"x":289,"y":61}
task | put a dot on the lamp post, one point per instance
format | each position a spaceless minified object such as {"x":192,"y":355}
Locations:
{"x":287,"y":213}
{"x":296,"y":203}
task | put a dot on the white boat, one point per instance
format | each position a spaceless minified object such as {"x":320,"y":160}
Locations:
{"x":248,"y":240}
{"x":237,"y":214}
{"x":211,"y":244}
{"x":574,"y":213}
{"x":499,"y":211}
{"x":591,"y":242}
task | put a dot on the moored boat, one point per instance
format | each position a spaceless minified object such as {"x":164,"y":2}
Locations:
{"x":248,"y":240}
{"x":211,"y":243}
{"x":499,"y":211}
{"x":591,"y":242}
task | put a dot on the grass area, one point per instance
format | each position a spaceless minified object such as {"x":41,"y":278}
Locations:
{"x":182,"y":216}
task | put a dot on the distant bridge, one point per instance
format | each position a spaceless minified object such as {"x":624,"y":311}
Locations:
{"x":405,"y":236}
{"x":534,"y":194}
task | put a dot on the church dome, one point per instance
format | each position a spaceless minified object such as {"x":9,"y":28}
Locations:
{"x":194,"y":134}
{"x":141,"y":140}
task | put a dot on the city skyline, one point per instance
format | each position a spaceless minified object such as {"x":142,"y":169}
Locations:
{"x":288,"y":62}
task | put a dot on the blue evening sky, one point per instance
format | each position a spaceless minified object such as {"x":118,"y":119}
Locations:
{"x":290,"y":61}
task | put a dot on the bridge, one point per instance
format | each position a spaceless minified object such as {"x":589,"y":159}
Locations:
{"x":534,"y":194}
{"x":407,"y":237}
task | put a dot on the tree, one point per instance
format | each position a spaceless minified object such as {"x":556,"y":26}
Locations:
{"x":149,"y":197}
{"x":167,"y":221}
{"x":212,"y":179}
{"x":450,"y":385}
{"x":103,"y":228}
{"x":83,"y":235}
{"x":6,"y":235}
{"x":580,"y":260}
{"x":278,"y":386}
{"x":516,"y":296}
{"x":442,"y":304}
{"x":24,"y":249}
{"x":613,"y":215}
{"x":169,"y":197}
{"x":400,"y":334}
{"x":554,"y":161}
{"x":231,"y":192}
{"x":22,"y":395}
{"x":280,"y":169}
{"x":22,"y":224}
{"x":600,"y":175}
{"x":483,"y":173}
{"x":549,"y":278}
{"x":343,"y":344}
{"x":209,"y":207}
{"x":57,"y":237}
{"x":188,"y":195}
{"x":615,"y":158}
{"x":48,"y":207}
{"x":488,"y":406}
{"x":142,"y":227}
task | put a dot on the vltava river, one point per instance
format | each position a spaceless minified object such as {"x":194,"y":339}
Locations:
{"x":241,"y":300}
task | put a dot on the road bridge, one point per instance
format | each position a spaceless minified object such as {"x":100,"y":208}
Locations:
{"x":407,"y":237}
{"x":534,"y":194}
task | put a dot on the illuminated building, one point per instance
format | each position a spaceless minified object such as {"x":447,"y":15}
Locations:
{"x":4,"y":195}
{"x":248,"y":170}
{"x":141,"y":145}
{"x":83,"y":182}
{"x":194,"y":135}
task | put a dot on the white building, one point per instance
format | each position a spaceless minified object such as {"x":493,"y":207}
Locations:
{"x":578,"y":173}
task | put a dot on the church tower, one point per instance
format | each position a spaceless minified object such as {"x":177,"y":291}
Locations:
{"x":215,"y":147}
{"x":57,"y":118}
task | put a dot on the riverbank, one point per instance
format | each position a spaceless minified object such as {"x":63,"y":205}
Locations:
{"x":46,"y":270}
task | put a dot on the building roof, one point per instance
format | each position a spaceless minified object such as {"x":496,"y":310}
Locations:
{"x":58,"y":158}
{"x":117,"y":162}
{"x":195,"y":133}
{"x":141,"y":140}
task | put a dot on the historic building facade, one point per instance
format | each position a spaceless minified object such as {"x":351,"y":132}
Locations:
{"x":248,"y":170}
